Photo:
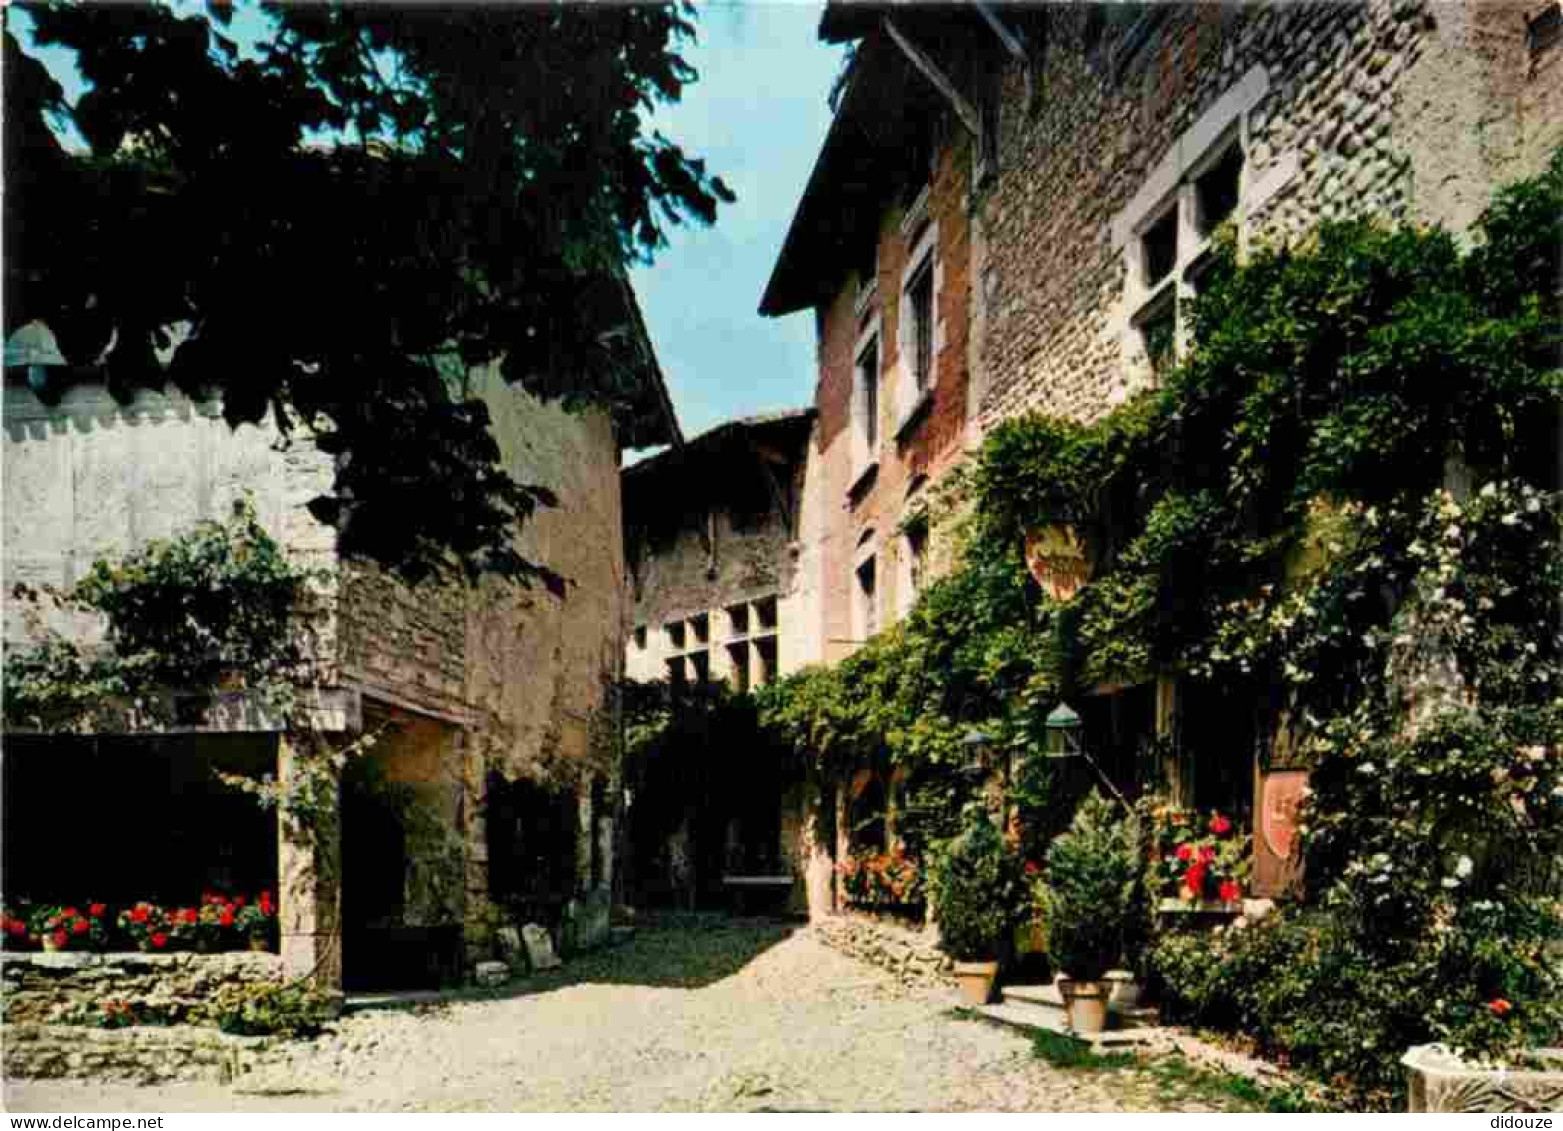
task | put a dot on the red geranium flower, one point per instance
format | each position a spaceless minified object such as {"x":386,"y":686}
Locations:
{"x":1185,"y":852}
{"x":227,"y":917}
{"x":159,"y":939}
{"x":80,"y":926}
{"x":1220,"y":825}
{"x":1194,"y":879}
{"x":1206,"y":854}
{"x":1230,"y":891}
{"x":1499,"y":1006}
{"x":60,"y":938}
{"x":1033,"y":868}
{"x":238,"y":901}
{"x":16,"y":927}
{"x":138,"y":914}
{"x":70,"y":913}
{"x":96,"y":910}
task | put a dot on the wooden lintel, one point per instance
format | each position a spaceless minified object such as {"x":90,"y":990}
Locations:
{"x":964,"y":110}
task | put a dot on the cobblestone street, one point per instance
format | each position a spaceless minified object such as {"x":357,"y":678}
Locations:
{"x":720,"y":1017}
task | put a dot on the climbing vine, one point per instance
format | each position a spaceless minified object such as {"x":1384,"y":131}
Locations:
{"x":219,"y":602}
{"x":1339,"y":505}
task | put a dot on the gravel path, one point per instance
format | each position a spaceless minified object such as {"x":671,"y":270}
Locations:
{"x":725,"y":1017}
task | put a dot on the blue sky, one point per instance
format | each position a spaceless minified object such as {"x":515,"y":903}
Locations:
{"x":758,"y":115}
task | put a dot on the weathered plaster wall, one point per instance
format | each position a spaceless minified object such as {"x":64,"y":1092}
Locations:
{"x":1392,"y":108}
{"x":89,"y":478}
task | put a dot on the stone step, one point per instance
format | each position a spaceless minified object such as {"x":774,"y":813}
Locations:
{"x":1047,"y":997}
{"x":1029,"y":1016}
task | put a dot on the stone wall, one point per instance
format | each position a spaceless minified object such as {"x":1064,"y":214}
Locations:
{"x":48,"y":988}
{"x":1398,"y":109}
{"x":143,"y":1055}
{"x":910,"y":954}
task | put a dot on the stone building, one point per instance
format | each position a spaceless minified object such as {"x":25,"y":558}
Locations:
{"x":712,"y":543}
{"x":1013,"y":205}
{"x":495,"y":706}
{"x":711,"y":540}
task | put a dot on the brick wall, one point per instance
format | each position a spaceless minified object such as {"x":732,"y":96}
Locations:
{"x":848,"y":507}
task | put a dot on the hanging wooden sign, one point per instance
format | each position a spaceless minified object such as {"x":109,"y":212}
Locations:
{"x":1057,"y":557}
{"x":1280,"y":796}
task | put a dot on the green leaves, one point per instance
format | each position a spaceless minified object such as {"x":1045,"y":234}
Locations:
{"x":367,"y":190}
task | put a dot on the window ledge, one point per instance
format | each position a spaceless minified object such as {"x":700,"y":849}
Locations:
{"x":862,"y":478}
{"x":914,"y":414}
{"x":865,"y":297}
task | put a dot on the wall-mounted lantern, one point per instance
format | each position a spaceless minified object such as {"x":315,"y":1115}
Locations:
{"x":1066,"y":739}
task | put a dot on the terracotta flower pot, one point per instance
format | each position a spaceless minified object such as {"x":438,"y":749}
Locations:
{"x":976,"y":981}
{"x":1087,"y":1007}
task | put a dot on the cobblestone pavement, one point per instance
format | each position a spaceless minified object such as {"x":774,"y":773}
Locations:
{"x":725,"y":1017}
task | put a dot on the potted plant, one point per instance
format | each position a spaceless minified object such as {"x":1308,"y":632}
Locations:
{"x":148,"y":927}
{"x":216,"y":924}
{"x":257,"y":921}
{"x":1087,"y":902}
{"x":14,"y":930}
{"x":979,"y":898}
{"x":68,"y":928}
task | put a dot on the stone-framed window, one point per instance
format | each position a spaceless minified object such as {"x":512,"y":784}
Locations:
{"x":920,"y":329}
{"x":640,"y":638}
{"x":1206,"y":179}
{"x":865,"y":402}
{"x":865,"y":588}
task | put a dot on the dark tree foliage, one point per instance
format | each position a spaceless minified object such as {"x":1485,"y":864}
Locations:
{"x":370,"y":196}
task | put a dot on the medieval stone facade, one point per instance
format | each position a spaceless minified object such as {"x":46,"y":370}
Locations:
{"x":474,"y":693}
{"x":711,"y":533}
{"x":1014,"y":205}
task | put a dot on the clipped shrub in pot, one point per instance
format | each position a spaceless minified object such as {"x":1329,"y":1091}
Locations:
{"x":979,"y":898}
{"x":1088,"y":899}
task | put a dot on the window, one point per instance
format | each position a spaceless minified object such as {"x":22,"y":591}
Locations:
{"x":868,"y":380}
{"x":765,"y":614}
{"x":1159,"y":247}
{"x":678,"y":673}
{"x":700,"y":666}
{"x":1172,"y":251}
{"x":1216,"y":192}
{"x":675,"y":634}
{"x":920,"y":304}
{"x":701,"y":626}
{"x":867,"y":620}
{"x":765,"y":655}
{"x":916,"y":558}
{"x":1205,"y":180}
{"x":738,"y":620}
{"x":738,"y":661}
{"x":640,"y":638}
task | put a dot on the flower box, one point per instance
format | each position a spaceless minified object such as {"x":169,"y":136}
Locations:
{"x":1171,"y":906}
{"x":1442,"y":1081}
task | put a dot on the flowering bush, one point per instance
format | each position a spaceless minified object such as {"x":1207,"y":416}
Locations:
{"x":1196,"y":856}
{"x":148,"y":926}
{"x":69,"y":927}
{"x":14,"y":931}
{"x":292,"y":1009}
{"x":878,"y":878}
